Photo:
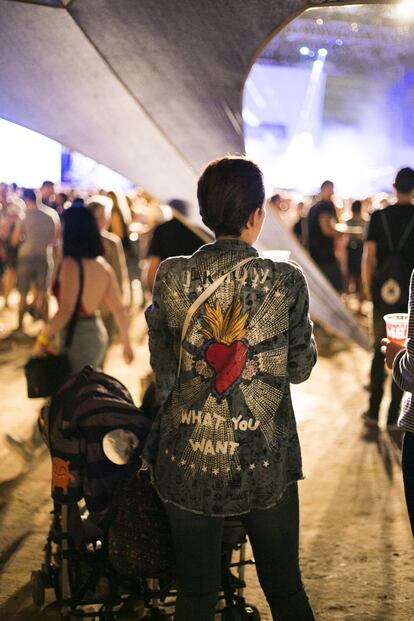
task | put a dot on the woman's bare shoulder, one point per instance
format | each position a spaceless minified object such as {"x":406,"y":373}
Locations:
{"x":69,"y":266}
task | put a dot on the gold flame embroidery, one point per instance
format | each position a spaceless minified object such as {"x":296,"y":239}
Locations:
{"x":225,"y":327}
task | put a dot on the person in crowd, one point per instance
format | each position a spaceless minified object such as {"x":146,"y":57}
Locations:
{"x":100,"y":206}
{"x":38,"y":235}
{"x":60,"y":202}
{"x":387,"y":229}
{"x":224,"y":353}
{"x":13,"y":197}
{"x":354,"y":250}
{"x":83,"y":250}
{"x":47,"y":192}
{"x":401,"y":360}
{"x":119,"y":223}
{"x":120,"y":218}
{"x":322,"y":234}
{"x":300,"y":228}
{"x":173,"y":238}
{"x":12,"y":212}
{"x":275,"y":202}
{"x":281,"y":209}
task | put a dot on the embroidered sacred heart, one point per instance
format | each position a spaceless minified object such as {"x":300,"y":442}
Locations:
{"x":228,"y":362}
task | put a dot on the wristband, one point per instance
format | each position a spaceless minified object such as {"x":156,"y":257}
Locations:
{"x":42,"y":340}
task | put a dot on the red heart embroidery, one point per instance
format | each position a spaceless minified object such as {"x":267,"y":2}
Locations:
{"x":228,"y":362}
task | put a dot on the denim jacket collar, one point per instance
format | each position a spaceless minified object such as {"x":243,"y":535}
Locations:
{"x":234,"y":245}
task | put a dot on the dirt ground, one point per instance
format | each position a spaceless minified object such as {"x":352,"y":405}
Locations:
{"x":356,"y":546}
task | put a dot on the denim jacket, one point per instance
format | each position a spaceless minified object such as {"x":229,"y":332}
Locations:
{"x":225,"y":440}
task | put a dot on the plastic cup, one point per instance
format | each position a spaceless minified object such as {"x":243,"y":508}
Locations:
{"x":397,"y":327}
{"x":277,"y":255}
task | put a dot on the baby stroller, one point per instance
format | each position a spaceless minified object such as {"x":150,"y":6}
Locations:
{"x":93,"y":430}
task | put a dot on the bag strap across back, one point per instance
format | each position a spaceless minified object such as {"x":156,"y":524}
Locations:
{"x":201,"y":299}
{"x":403,"y":237}
{"x":74,"y":318}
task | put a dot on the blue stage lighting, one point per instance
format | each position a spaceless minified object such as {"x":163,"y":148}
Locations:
{"x":304,"y":50}
{"x":322,"y":52}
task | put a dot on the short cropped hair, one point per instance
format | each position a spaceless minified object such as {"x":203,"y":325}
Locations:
{"x":229,"y":191}
{"x":81,"y":237}
{"x":356,"y":207}
{"x":47,"y":184}
{"x":404,"y":181}
{"x":30,"y":195}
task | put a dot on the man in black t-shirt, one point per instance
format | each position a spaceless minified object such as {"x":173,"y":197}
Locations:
{"x":321,"y":236}
{"x":376,"y":251}
{"x":173,"y":238}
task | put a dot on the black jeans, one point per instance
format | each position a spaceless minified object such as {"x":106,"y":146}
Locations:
{"x":408,"y":474}
{"x":274,"y":536}
{"x":378,"y":374}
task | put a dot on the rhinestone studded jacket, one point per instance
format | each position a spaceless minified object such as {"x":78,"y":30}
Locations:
{"x":225,"y":439}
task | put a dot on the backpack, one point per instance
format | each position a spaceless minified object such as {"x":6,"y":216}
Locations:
{"x":391,"y":281}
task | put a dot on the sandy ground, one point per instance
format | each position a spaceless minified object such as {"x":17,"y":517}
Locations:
{"x":356,"y":546}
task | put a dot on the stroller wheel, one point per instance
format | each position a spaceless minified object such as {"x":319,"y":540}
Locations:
{"x":251,"y":612}
{"x":232,"y":613}
{"x":38,"y":588}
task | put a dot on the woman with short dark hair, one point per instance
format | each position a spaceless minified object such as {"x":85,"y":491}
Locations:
{"x":229,"y":331}
{"x":83,"y":266}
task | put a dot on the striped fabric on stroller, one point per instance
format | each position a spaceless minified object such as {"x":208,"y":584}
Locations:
{"x":88,"y":407}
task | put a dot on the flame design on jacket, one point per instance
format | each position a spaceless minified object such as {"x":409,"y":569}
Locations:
{"x":225,"y":327}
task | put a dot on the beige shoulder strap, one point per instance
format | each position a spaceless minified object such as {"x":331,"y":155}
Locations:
{"x":201,"y":299}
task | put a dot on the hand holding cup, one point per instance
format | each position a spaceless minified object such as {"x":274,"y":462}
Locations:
{"x":390,"y":349}
{"x":397,"y":327}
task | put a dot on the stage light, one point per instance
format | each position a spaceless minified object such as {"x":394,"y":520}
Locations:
{"x":323,"y":52}
{"x":339,"y":42}
{"x":319,"y":21}
{"x":304,"y":50}
{"x":405,"y":9}
{"x":354,"y":26}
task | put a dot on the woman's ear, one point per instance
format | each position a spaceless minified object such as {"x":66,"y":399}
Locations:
{"x":258,"y":216}
{"x":250,"y":221}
